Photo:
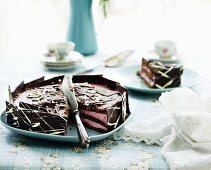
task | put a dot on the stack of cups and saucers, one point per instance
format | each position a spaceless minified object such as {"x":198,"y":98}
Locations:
{"x":165,"y":51}
{"x":61,"y":56}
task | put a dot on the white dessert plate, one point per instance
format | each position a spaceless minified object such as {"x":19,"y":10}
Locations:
{"x":71,"y":132}
{"x":154,"y":56}
{"x":72,"y":60}
{"x":128,"y":78}
{"x":62,"y":68}
{"x":172,"y":59}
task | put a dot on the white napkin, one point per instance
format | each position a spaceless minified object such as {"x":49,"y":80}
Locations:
{"x":184,"y":126}
{"x":150,"y":131}
{"x":189,"y":146}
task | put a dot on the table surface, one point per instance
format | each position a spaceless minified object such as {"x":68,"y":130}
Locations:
{"x":26,"y":153}
{"x":23,"y":152}
{"x":137,"y":27}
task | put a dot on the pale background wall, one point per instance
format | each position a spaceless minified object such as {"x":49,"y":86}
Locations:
{"x":26,"y":26}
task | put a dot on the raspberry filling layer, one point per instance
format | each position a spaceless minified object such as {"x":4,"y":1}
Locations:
{"x":99,"y":116}
{"x":92,"y":124}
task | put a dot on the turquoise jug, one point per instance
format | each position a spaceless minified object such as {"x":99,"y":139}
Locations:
{"x":81,"y":27}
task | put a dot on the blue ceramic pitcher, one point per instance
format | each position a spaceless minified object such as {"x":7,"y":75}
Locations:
{"x":81,"y":27}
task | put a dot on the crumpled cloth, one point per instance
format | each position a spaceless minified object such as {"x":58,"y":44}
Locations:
{"x":184,"y":130}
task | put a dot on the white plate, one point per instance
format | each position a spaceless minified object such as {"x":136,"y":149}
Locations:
{"x":61,"y":68}
{"x":154,"y":56}
{"x":71,"y":132}
{"x":172,"y":59}
{"x":72,"y":60}
{"x":127,"y":76}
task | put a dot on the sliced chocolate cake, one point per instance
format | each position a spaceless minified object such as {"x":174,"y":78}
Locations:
{"x":35,"y":120}
{"x":159,"y":75}
{"x":43,"y":93}
{"x":102,"y":103}
{"x":41,"y":106}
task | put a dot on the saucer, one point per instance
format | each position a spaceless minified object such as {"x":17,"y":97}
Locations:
{"x":72,"y":60}
{"x":172,"y":59}
{"x":168,"y":60}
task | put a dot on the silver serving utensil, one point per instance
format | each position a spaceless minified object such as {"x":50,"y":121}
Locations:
{"x":113,"y":61}
{"x":10,"y":95}
{"x":68,"y":90}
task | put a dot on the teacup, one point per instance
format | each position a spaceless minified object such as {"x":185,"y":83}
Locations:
{"x":60,"y":50}
{"x":165,"y":48}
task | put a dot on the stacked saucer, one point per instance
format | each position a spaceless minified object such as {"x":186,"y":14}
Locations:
{"x":72,"y":60}
{"x":173,"y":59}
{"x":61,"y":56}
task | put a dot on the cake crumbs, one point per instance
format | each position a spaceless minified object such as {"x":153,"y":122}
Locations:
{"x":142,"y":162}
{"x":155,"y":103}
{"x":77,"y":149}
{"x":52,"y":159}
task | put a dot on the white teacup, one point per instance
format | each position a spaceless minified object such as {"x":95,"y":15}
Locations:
{"x":60,"y":50}
{"x":165,"y":48}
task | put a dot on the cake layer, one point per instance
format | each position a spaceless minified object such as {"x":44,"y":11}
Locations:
{"x":98,"y":117}
{"x":94,"y":125}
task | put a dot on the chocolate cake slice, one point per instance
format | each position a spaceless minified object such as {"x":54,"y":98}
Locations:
{"x":41,"y":106}
{"x":43,"y":93}
{"x":159,"y":75}
{"x":35,"y":120}
{"x":102,"y":103}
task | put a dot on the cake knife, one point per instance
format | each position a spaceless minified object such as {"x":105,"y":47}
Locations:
{"x":68,"y":90}
{"x":113,"y":61}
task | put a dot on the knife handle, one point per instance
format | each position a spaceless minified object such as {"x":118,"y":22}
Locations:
{"x":82,"y":134}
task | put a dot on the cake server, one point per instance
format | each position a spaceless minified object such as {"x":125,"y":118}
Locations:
{"x":68,"y":90}
{"x":113,"y":61}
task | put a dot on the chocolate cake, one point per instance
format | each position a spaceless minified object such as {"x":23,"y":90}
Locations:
{"x":159,"y":75}
{"x":41,"y":106}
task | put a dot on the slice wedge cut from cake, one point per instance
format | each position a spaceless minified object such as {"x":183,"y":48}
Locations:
{"x":160,"y":75}
{"x":103,"y":104}
{"x":39,"y":106}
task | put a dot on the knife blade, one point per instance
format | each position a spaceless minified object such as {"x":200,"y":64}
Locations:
{"x":113,"y":61}
{"x":10,"y":94}
{"x":68,"y":90}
